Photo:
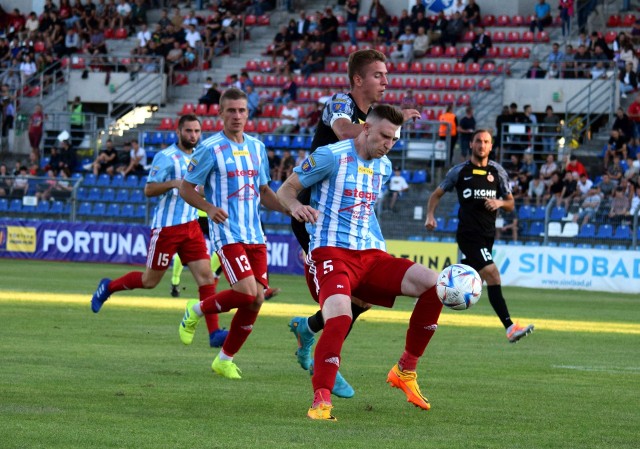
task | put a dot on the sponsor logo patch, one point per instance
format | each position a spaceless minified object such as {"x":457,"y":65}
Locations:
{"x":308,"y":164}
{"x":192,"y":165}
{"x":479,"y":172}
{"x":365,"y":170}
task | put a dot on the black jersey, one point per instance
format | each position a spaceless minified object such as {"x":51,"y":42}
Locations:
{"x":340,"y":106}
{"x":474,"y":185}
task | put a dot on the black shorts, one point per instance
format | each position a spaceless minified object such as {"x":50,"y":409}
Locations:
{"x":476,"y":250}
{"x":204,"y":225}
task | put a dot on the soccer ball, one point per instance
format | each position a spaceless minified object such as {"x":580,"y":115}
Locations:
{"x":459,"y":286}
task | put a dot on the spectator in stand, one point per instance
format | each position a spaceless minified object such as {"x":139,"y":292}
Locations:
{"x":633,"y":111}
{"x":619,"y":211}
{"x":303,"y":24}
{"x":508,"y":222}
{"x":36,"y":123}
{"x":502,"y":118}
{"x":471,"y":15}
{"x":137,"y":160}
{"x":309,"y":123}
{"x":383,"y":35}
{"x":528,"y":166}
{"x":582,"y":61}
{"x":106,"y":160}
{"x":191,"y":35}
{"x":614,"y":170}
{"x":418,"y":8}
{"x":286,"y":165}
{"x":597,"y":41}
{"x":542,"y":17}
{"x":405,"y":46}
{"x":588,"y":207}
{"x":574,"y":165}
{"x":377,"y":12}
{"x":20,"y":185}
{"x":279,"y":44}
{"x":397,"y":185}
{"x":566,"y":12}
{"x":253,"y":101}
{"x":536,"y":191}
{"x":632,"y":173}
{"x":274,"y":164}
{"x":628,"y":55}
{"x":245,"y":80}
{"x":616,"y":146}
{"x":302,"y":156}
{"x":72,"y":43}
{"x":569,"y":189}
{"x":315,"y":60}
{"x":288,"y":92}
{"x":289,"y":117}
{"x":550,"y":127}
{"x":404,"y":21}
{"x":329,"y":29}
{"x":481,"y":42}
{"x":448,"y":117}
{"x":555,"y":188}
{"x":627,"y":80}
{"x":467,"y":125}
{"x":535,"y":71}
{"x":607,"y":185}
{"x":556,"y":56}
{"x":123,"y":15}
{"x":68,"y":159}
{"x":584,"y":184}
{"x":457,"y":7}
{"x":420,"y":43}
{"x":352,"y":7}
{"x":453,"y":32}
{"x":211,"y":96}
{"x":438,"y":29}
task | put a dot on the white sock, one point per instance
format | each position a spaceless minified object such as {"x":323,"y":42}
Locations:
{"x":224,"y":356}
{"x":196,"y":308}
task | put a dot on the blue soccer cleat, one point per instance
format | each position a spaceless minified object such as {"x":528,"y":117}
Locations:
{"x":100,"y":295}
{"x":300,"y":329}
{"x":341,"y":387}
{"x":217,"y":338}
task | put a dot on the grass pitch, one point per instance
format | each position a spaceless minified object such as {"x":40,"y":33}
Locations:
{"x":121,"y":378}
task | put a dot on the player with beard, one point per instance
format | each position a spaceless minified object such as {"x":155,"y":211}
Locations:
{"x":483,"y":188}
{"x":174,"y":228}
{"x":343,"y":118}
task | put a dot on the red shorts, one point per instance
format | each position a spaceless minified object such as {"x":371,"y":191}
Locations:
{"x":371,"y":275}
{"x":185,"y":239}
{"x":240,"y":260}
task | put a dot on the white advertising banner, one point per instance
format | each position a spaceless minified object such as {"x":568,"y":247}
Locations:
{"x":568,"y":268}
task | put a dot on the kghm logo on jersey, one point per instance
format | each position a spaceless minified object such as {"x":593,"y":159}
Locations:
{"x":308,"y":164}
{"x":365,"y":170}
{"x":192,"y":164}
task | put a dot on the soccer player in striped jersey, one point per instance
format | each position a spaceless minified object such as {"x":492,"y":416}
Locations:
{"x":342,"y":118}
{"x":174,"y":227}
{"x":234,"y":169}
{"x":347,"y":252}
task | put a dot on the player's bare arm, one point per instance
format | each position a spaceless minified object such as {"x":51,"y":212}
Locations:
{"x":269,"y":199}
{"x":432,"y":204}
{"x":410,"y":114}
{"x":288,"y":196}
{"x":152,"y":189}
{"x":189,"y":193}
{"x":507,"y":203}
{"x":344,"y":129}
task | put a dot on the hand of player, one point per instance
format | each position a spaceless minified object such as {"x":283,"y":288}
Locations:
{"x":430,"y":223}
{"x":217,"y":214}
{"x":306,"y":214}
{"x":410,"y":114}
{"x":492,"y":204}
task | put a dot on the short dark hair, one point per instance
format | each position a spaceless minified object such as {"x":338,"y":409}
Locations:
{"x":233,"y":93}
{"x":387,"y":112}
{"x":187,"y":118}
{"x":358,"y":60}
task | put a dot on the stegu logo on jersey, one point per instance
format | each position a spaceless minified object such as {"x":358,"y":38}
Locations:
{"x":250,"y":173}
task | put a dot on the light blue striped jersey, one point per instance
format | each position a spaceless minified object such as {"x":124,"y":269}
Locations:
{"x":169,"y":164}
{"x":344,"y":189}
{"x":232,"y":174}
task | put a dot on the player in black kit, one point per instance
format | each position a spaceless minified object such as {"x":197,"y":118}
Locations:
{"x":483,"y":188}
{"x":342,"y":118}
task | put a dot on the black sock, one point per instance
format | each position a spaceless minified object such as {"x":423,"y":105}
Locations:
{"x":316,"y":322}
{"x":499,"y":304}
{"x":219,"y":271}
{"x":356,"y":311}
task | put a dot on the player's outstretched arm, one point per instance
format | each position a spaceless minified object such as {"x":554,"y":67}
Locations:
{"x":432,"y":204}
{"x":191,"y":196}
{"x":269,"y":199}
{"x":288,"y":197}
{"x":152,"y":189}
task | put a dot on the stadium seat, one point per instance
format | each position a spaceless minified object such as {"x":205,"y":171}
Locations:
{"x":15,"y":206}
{"x":84,"y":208}
{"x":445,"y":68}
{"x":396,"y":83}
{"x":613,"y":21}
{"x":402,"y":67}
{"x":94,"y":194}
{"x":419,"y":177}
{"x":108,"y":195}
{"x":448,"y":98}
{"x":587,"y":231}
{"x":484,"y":84}
{"x":436,"y":51}
{"x":425,"y":83}
{"x":508,"y":52}
{"x":429,"y":67}
{"x":557,"y":213}
{"x":503,"y":21}
{"x":122,"y":196}
{"x":527,"y":36}
{"x":605,"y":231}
{"x":137,"y":196}
{"x":499,"y":37}
{"x":517,"y":20}
{"x":523,"y":53}
{"x":166,"y":124}
{"x":131,"y":181}
{"x":415,"y":238}
{"x":454,"y":84}
{"x":440,"y":84}
{"x":459,"y":68}
{"x":554,"y":229}
{"x":390,"y":97}
{"x":570,"y":229}
{"x":542,"y":36}
{"x":264,"y":19}
{"x":452,"y":225}
{"x":538,"y":213}
{"x":468,"y":36}
{"x":113,"y":210}
{"x":451,"y":52}
{"x":524,"y":213}
{"x":421,"y":98}
{"x":120,"y":33}
{"x":416,"y":67}
{"x":433,"y":98}
{"x":469,"y":84}
{"x":201,"y":109}
{"x":411,"y":83}
{"x":440,"y":224}
{"x":628,"y":20}
{"x":622,"y":232}
{"x":89,"y":180}
{"x":170,"y":137}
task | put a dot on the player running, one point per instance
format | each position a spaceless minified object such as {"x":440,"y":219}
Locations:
{"x":483,"y":188}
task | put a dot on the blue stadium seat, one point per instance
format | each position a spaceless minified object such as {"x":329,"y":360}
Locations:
{"x":84,"y":209}
{"x":601,"y":246}
{"x":99,"y":210}
{"x":94,"y":194}
{"x":283,"y":142}
{"x":440,"y":224}
{"x":605,"y":231}
{"x":406,"y":174}
{"x":83,"y":194}
{"x":532,"y":243}
{"x":415,"y":238}
{"x":619,"y":247}
{"x":431,"y":238}
{"x":127,"y":211}
{"x":269,"y":141}
{"x":538,"y":213}
{"x":516,"y":243}
{"x":622,"y":232}
{"x":15,"y":205}
{"x":587,"y":231}
{"x":43,"y":207}
{"x":108,"y":195}
{"x":104,"y":180}
{"x":584,"y":246}
{"x":500,"y":242}
{"x":448,"y":240}
{"x":170,"y":138}
{"x":142,"y":182}
{"x":131,"y":181}
{"x":524,"y":213}
{"x":137,"y":196}
{"x":400,"y":145}
{"x":452,"y":225}
{"x":275,"y":185}
{"x":89,"y":180}
{"x":419,"y":177}
{"x":299,"y":142}
{"x":117,"y":181}
{"x":122,"y":196}
{"x":557,"y":213}
{"x":113,"y":210}
{"x":536,"y":228}
{"x":4,"y":205}
{"x":157,"y":138}
{"x":29,"y":209}
{"x":56,"y":208}
{"x":141,"y":211}
{"x":566,"y":245}
{"x":307,"y":142}
{"x":454,"y":211}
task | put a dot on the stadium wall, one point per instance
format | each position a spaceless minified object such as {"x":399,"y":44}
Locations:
{"x":101,"y":87}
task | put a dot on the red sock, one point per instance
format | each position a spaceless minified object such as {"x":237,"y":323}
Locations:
{"x":225,"y":301}
{"x":422,"y":325}
{"x":327,"y":354}
{"x":212,"y":320}
{"x":321,"y":395}
{"x":241,"y":327}
{"x":129,"y":281}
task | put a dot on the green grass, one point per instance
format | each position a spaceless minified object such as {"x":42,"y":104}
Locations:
{"x":121,"y":378}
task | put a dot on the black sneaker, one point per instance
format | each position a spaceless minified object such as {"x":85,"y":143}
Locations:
{"x":175,"y":290}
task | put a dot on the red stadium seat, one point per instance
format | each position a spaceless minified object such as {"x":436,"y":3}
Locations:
{"x":499,"y":37}
{"x":351,"y":49}
{"x":214,"y":110}
{"x":265,"y":65}
{"x":382,"y":49}
{"x":120,"y":33}
{"x":251,"y":66}
{"x":298,"y":79}
{"x":402,"y":67}
{"x":250,"y":126}
{"x":264,"y":126}
{"x":38,"y":46}
{"x":488,"y":20}
{"x":462,"y":50}
{"x":469,"y":84}
{"x":488,"y":67}
{"x":451,"y":52}
{"x":448,"y":98}
{"x":411,"y":83}
{"x":421,"y":98}
{"x":464,"y":99}
{"x":250,"y":19}
{"x":454,"y":84}
{"x":440,"y":84}
{"x":208,"y":125}
{"x":436,"y":51}
{"x":425,"y":83}
{"x":187,"y":108}
{"x":312,"y":81}
{"x":271,"y":80}
{"x":258,"y":80}
{"x":473,"y":68}
{"x":459,"y":68}
{"x":517,"y":21}
{"x":325,"y":81}
{"x":331,"y":66}
{"x":341,"y":20}
{"x":343,"y":66}
{"x":445,"y":68}
{"x":493,"y":52}
{"x":542,"y":36}
{"x":628,"y":20}
{"x":108,"y":33}
{"x":484,"y":84}
{"x":316,"y":95}
{"x":363,"y":19}
{"x":218,"y":125}
{"x":202,"y":109}
{"x":416,"y":67}
{"x":527,"y":36}
{"x":341,"y":81}
{"x":503,"y":21}
{"x":468,"y":36}
{"x":610,"y":37}
{"x":508,"y":52}
{"x":264,"y":19}
{"x":304,"y":96}
{"x":429,"y":114}
{"x":269,"y":110}
{"x":396,"y":83}
{"x":513,"y":36}
{"x":433,"y":98}
{"x":523,"y":53}
{"x":337,"y":50}
{"x":390,"y":97}
{"x":33,"y":92}
{"x":430,"y":67}
{"x":613,"y":21}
